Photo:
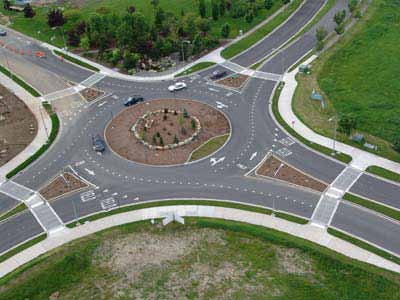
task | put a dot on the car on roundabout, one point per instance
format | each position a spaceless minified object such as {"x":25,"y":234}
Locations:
{"x":177,"y":87}
{"x":98,"y":144}
{"x":133,"y":100}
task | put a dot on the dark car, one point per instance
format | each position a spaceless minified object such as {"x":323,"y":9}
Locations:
{"x":133,"y":100}
{"x":98,"y":144}
{"x":218,"y":74}
{"x":3,"y":32}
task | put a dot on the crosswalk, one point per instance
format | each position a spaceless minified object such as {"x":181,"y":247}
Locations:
{"x":249,"y":72}
{"x":330,"y":200}
{"x":92,"y":80}
{"x":41,"y":210}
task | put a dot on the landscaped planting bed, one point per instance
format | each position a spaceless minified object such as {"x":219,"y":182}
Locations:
{"x":277,"y":169}
{"x":235,"y":81}
{"x":164,"y":131}
{"x":63,"y":184}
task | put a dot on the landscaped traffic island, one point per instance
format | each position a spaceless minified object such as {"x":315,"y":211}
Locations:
{"x":165,"y":131}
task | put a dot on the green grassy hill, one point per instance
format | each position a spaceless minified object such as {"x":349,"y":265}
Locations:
{"x":362,"y":77}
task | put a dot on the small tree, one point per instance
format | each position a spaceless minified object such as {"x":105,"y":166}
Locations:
{"x":225,"y":30}
{"x":353,"y":5}
{"x":154,"y":139}
{"x":286,"y":1}
{"x":185,"y":113}
{"x":131,"y":9}
{"x":74,"y":38}
{"x":222,"y":7}
{"x":85,"y":43}
{"x":340,"y":28}
{"x":55,"y":18}
{"x":268,"y":4}
{"x":161,"y":141}
{"x":28,"y":11}
{"x":176,"y":140}
{"x":202,"y":8}
{"x":215,"y":10}
{"x":339,"y":17}
{"x":7,"y":5}
{"x":396,"y":144}
{"x":321,"y":35}
{"x":347,"y":123}
{"x":249,"y":16}
{"x":193,"y":124}
{"x":143,"y":135}
{"x":183,"y":130}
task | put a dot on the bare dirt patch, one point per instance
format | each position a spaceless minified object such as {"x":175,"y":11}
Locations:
{"x":63,"y":184}
{"x":18,"y":125}
{"x":91,"y":94}
{"x":122,"y":140}
{"x":275,"y":168}
{"x":234,"y":81}
{"x":292,"y":261}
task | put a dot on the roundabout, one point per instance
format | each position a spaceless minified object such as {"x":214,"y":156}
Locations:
{"x":164,"y":131}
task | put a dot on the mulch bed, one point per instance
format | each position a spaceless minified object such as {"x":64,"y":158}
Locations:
{"x":18,"y":125}
{"x":234,"y":81}
{"x":61,"y":185}
{"x":91,"y":94}
{"x":121,"y":139}
{"x":275,"y":168}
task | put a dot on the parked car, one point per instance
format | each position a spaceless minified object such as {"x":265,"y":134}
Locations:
{"x":3,"y":32}
{"x":177,"y":87}
{"x":218,"y":74}
{"x":133,"y":100}
{"x":98,"y":144}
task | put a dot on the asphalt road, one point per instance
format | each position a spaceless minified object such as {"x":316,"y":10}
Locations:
{"x":254,"y":134}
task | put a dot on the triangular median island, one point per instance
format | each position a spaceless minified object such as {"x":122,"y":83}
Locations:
{"x":275,"y":168}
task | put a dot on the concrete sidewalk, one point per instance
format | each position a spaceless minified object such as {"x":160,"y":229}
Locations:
{"x":361,"y":159}
{"x":43,"y":120}
{"x":308,"y":232}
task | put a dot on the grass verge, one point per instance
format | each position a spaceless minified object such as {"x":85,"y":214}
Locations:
{"x":20,"y":207}
{"x":55,"y":126}
{"x":76,"y":61}
{"x":327,"y":151}
{"x":364,"y":245}
{"x":384,"y":173}
{"x":209,"y":147}
{"x":390,"y":212}
{"x":291,"y":218}
{"x":22,"y":247}
{"x":196,"y":68}
{"x":261,"y":32}
{"x":101,"y":215}
{"x":20,"y":82}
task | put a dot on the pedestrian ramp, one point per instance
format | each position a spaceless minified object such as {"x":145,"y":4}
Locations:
{"x":92,"y":80}
{"x":16,"y":191}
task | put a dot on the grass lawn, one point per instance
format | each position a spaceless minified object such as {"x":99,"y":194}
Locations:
{"x":260,"y":33}
{"x":195,"y":68}
{"x":384,"y":173}
{"x":209,"y":147}
{"x":358,"y":76}
{"x":204,"y":259}
{"x":390,"y":212}
{"x":31,"y":27}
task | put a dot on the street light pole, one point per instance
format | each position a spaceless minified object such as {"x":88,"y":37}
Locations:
{"x":183,"y":53}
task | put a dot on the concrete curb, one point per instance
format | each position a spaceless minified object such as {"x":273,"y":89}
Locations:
{"x":361,"y":159}
{"x":308,"y":232}
{"x":43,"y":120}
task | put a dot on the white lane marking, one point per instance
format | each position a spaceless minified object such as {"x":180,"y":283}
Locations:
{"x":253,"y":156}
{"x":90,"y":172}
{"x":215,"y":161}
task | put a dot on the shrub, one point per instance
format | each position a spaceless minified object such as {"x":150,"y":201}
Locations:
{"x":176,"y":140}
{"x":225,"y":30}
{"x":193,"y":124}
